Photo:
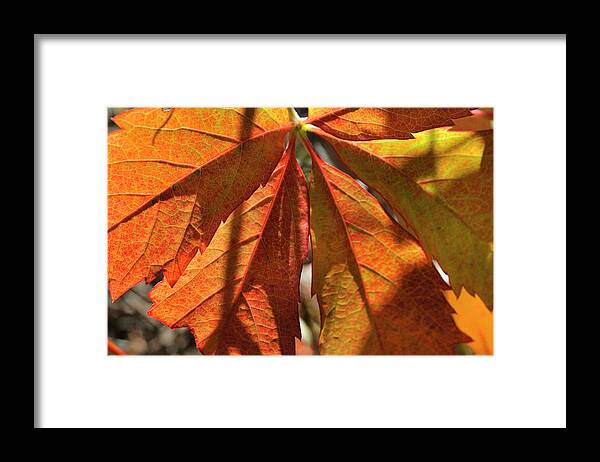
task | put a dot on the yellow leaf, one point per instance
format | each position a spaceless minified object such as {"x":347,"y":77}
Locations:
{"x":474,"y":319}
{"x":440,"y":184}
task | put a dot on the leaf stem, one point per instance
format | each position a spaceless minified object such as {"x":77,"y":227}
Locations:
{"x":314,"y":155}
{"x":294,"y":117}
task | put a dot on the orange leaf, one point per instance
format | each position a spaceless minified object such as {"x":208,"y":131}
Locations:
{"x":115,"y":349}
{"x":474,"y":319}
{"x":377,"y":290}
{"x":174,"y":176}
{"x":361,"y":124}
{"x":212,"y":199}
{"x":241,"y":295}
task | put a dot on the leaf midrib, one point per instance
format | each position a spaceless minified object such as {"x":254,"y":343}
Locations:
{"x":242,"y":278}
{"x":362,"y":287}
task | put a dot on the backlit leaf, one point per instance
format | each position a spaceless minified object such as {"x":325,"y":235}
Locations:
{"x":474,"y":319}
{"x":377,"y":289}
{"x":440,"y":184}
{"x":360,"y":124}
{"x":241,"y":295}
{"x":212,"y":199}
{"x":174,"y":176}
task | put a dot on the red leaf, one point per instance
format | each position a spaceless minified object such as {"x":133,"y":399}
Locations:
{"x":362,"y":124}
{"x":241,"y":295}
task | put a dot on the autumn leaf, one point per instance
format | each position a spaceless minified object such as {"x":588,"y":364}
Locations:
{"x":474,"y":319}
{"x":440,"y":185}
{"x":240,"y":296}
{"x":213,"y":199}
{"x":378,"y":291}
{"x":360,"y":124}
{"x":174,"y":176}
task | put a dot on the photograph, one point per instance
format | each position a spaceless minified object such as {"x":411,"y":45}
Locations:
{"x":300,"y":231}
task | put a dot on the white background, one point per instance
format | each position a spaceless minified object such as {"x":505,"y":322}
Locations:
{"x":524,"y":384}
